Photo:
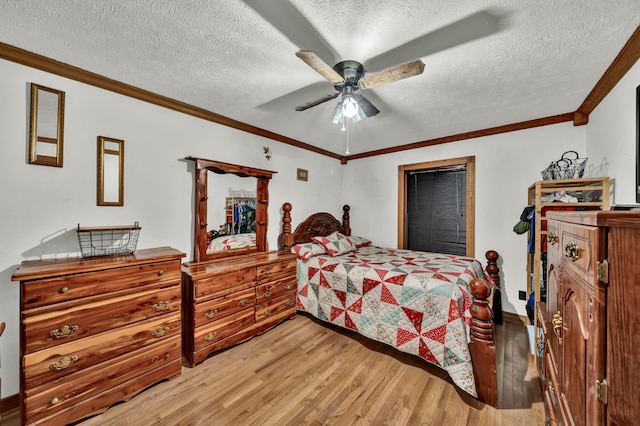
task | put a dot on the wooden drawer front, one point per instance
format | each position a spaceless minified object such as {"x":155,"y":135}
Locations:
{"x":58,"y":361}
{"x":553,"y":239}
{"x":221,"y":307}
{"x":222,"y":328}
{"x":54,"y":290}
{"x":219,"y":285}
{"x":278,"y":308}
{"x":276,"y":271}
{"x":52,"y":325}
{"x":275,"y":289}
{"x":49,"y":398}
{"x":578,"y":248}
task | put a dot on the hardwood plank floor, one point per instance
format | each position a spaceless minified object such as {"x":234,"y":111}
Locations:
{"x":305,"y":372}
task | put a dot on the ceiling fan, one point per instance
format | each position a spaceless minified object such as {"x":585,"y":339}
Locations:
{"x":348,"y":77}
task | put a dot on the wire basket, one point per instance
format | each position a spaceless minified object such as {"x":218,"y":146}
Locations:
{"x":108,"y":240}
{"x":566,"y":167}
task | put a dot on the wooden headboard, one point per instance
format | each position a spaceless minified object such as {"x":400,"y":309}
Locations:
{"x":318,"y":224}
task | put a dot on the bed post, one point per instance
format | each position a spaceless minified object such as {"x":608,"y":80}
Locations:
{"x":345,"y":220}
{"x":482,"y":346}
{"x":494,"y":272}
{"x":285,"y":240}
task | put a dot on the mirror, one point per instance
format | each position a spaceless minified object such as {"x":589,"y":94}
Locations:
{"x":46,"y":126}
{"x":229,"y":189}
{"x":231,"y":212}
{"x":110,"y":172}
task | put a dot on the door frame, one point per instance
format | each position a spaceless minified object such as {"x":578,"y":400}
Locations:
{"x":403,"y":171}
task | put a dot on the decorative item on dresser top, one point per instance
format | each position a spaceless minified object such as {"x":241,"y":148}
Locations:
{"x":96,"y":331}
{"x":230,"y":300}
{"x":432,"y":305}
{"x":590,"y":371}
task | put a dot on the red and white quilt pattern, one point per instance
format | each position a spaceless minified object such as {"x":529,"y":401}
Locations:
{"x":417,"y":302}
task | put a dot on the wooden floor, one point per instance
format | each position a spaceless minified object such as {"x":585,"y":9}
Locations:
{"x":304,"y":372}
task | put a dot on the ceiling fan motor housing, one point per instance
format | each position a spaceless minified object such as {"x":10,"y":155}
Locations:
{"x":351,"y":71}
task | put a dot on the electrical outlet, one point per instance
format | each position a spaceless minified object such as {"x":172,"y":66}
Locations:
{"x":522,"y":295}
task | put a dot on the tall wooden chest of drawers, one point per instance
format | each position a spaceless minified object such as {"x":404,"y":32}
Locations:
{"x":590,"y":369}
{"x":230,"y":300}
{"x":96,"y":331}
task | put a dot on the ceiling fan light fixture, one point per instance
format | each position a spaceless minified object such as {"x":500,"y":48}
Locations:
{"x":349,"y":106}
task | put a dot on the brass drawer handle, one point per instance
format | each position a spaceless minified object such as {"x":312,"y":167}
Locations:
{"x":161,"y":306}
{"x":64,"y":362}
{"x":557,"y":325}
{"x":209,"y":337}
{"x":288,"y":287}
{"x":267,"y":312}
{"x":288,"y":302}
{"x":64,"y":290}
{"x":64,"y":331}
{"x":243,"y":302}
{"x":571,"y":250}
{"x":267,"y":293}
{"x":552,"y":238}
{"x":54,"y":400}
{"x":212,"y":313}
{"x":160,"y":332}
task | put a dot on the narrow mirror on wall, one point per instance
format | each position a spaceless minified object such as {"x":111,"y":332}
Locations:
{"x":110,"y":172}
{"x":46,"y":126}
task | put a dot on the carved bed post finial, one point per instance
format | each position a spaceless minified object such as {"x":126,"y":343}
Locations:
{"x":494,"y":272}
{"x":345,"y":220}
{"x":285,"y":241}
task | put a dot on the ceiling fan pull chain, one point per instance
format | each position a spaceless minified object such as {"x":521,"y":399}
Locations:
{"x":347,"y":151}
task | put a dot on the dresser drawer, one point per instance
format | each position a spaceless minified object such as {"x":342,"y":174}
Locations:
{"x":275,"y":310}
{"x":578,"y":247}
{"x":61,"y":360}
{"x":219,"y":285}
{"x":53,"y":325}
{"x":276,"y":271}
{"x":222,"y":328}
{"x":221,"y":307}
{"x":54,"y":290}
{"x":50,"y":398}
{"x":275,"y":289}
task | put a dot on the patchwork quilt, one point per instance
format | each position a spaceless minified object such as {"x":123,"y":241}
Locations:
{"x":417,"y":302}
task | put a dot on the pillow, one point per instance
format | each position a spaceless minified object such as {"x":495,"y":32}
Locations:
{"x":335,"y":244}
{"x":307,"y":250}
{"x":359,"y":241}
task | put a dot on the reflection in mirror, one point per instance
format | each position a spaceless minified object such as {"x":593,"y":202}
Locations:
{"x":231,"y":212}
{"x":46,"y":126}
{"x":110,"y":172}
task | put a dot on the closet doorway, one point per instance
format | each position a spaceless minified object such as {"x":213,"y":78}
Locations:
{"x":436,"y":206}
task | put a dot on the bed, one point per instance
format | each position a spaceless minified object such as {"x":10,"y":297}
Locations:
{"x":431,"y":305}
{"x":228,"y":242}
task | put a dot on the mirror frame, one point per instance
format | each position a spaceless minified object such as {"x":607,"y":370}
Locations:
{"x":34,"y":138}
{"x":203,"y":167}
{"x":102,"y":151}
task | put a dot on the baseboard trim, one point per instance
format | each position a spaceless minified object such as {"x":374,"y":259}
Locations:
{"x":9,"y":403}
{"x":515,"y":318}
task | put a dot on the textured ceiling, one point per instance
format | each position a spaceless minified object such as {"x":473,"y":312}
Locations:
{"x":487,"y":62}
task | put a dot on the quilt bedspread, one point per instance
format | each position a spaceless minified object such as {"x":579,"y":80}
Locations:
{"x":417,"y":302}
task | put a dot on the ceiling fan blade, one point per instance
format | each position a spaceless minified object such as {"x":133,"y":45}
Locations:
{"x":367,"y":107}
{"x":472,"y":27}
{"x":318,"y":101}
{"x":293,"y":25}
{"x":392,"y":74}
{"x":320,"y":66}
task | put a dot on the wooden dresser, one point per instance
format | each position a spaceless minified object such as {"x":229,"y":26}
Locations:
{"x":96,"y":331}
{"x":590,"y":370}
{"x":230,"y":300}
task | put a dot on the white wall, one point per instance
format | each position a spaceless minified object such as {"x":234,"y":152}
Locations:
{"x":506,"y":165}
{"x":42,"y":206}
{"x":611,"y":135}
